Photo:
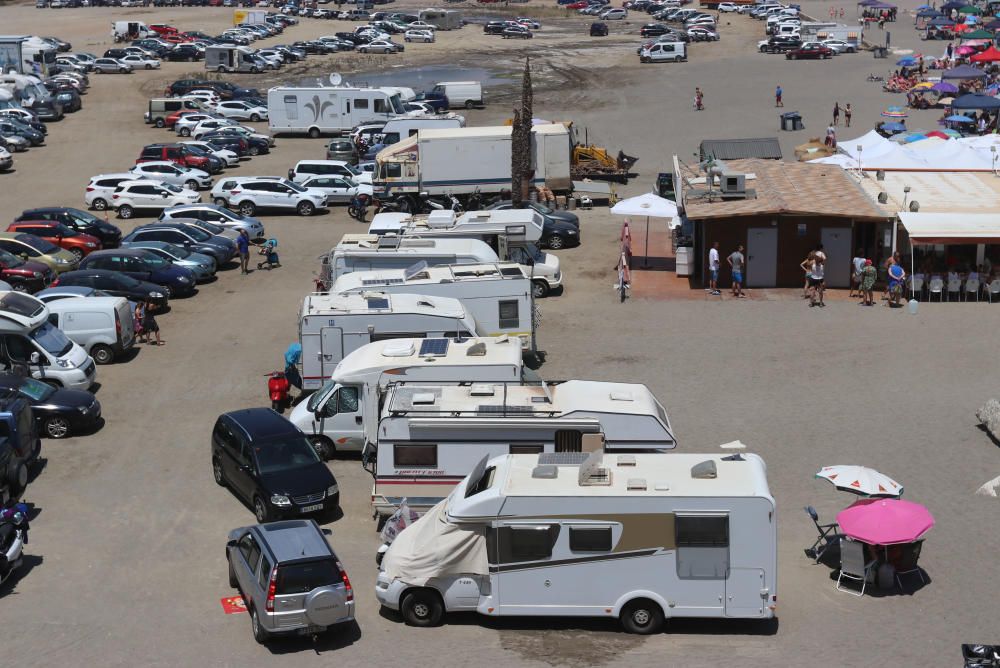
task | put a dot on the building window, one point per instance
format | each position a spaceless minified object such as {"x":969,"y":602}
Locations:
{"x":414,"y":455}
{"x":590,"y":539}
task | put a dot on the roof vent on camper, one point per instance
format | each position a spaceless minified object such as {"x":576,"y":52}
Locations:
{"x":545,"y":472}
{"x":621,"y":395}
{"x":705,"y":470}
{"x":398,"y":349}
{"x":424,"y":398}
{"x":626,"y":460}
{"x":591,"y":474}
{"x":389,"y":241}
{"x":415,"y":269}
{"x":636,"y":485}
{"x":441,"y":218}
{"x":482,"y":390}
{"x":476,"y":350}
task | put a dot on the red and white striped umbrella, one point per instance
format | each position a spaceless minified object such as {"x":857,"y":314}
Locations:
{"x":860,"y":480}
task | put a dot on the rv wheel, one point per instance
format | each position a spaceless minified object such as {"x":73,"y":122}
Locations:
{"x":422,"y":608}
{"x":314,"y":133}
{"x":221,"y":69}
{"x":642,"y":617}
{"x":160,"y":123}
{"x":469,"y":104}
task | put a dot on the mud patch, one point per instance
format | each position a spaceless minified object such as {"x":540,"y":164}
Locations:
{"x":570,"y":646}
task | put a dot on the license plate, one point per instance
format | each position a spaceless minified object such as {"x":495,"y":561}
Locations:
{"x":309,"y":509}
{"x":309,"y":630}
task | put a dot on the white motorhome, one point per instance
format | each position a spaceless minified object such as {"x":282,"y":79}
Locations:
{"x":498,"y":296}
{"x":317,"y":110}
{"x":38,"y":56}
{"x":512,"y":233}
{"x":226,"y":58}
{"x":356,"y":386}
{"x":466,"y":94}
{"x":363,"y":252}
{"x":638,"y":538}
{"x":430,"y":436}
{"x":332,"y":325}
{"x":29,"y":93}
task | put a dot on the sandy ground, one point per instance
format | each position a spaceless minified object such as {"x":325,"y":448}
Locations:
{"x":126,"y":561}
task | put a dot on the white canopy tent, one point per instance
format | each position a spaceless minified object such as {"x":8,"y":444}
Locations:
{"x":649,"y":205}
{"x":947,"y":228}
{"x":877,"y":152}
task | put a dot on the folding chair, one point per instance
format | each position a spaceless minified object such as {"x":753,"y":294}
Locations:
{"x":908,"y":563}
{"x":993,"y":289}
{"x":853,"y":565}
{"x":935,"y":286}
{"x":916,"y":288}
{"x":972,"y":287}
{"x":828,"y":535}
{"x":955,"y":285}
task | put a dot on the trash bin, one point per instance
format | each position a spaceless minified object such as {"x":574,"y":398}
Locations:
{"x":797,"y":123}
{"x":790,"y":120}
{"x":684,"y":261}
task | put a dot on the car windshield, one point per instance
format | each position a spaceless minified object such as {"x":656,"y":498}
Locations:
{"x":197,"y":233}
{"x":83,"y":217}
{"x":319,"y":397}
{"x":178,"y":252}
{"x":52,"y":339}
{"x":541,"y":208}
{"x":36,"y":390}
{"x":9,"y":260}
{"x":40,"y":245}
{"x":285,"y":455}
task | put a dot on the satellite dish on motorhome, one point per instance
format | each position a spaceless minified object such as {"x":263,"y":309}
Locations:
{"x":335,"y":79}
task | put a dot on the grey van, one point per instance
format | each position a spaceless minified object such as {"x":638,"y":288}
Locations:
{"x":161,"y":107}
{"x":291,"y":579}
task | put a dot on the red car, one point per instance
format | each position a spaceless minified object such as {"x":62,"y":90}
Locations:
{"x":811,"y":50}
{"x":178,"y":154}
{"x":578,"y":5}
{"x":162,"y":29}
{"x":173,"y":38}
{"x":77,"y":243}
{"x":26,"y":275}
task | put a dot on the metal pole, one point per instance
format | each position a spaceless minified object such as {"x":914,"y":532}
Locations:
{"x":645,"y":256}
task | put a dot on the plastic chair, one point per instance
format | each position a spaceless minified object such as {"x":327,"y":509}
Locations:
{"x":955,"y":285}
{"x":853,"y":565}
{"x":916,"y":287}
{"x":972,"y":287}
{"x":828,"y":535}
{"x":908,"y":563}
{"x":993,"y":289}
{"x":935,"y":286}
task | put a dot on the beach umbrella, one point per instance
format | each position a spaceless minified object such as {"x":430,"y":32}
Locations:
{"x":971,"y":20}
{"x":969,"y":9}
{"x":923,"y":85}
{"x":649,"y":205}
{"x":978,"y":34}
{"x":885,"y":521}
{"x":960,"y":28}
{"x":959,"y":118}
{"x":860,"y":480}
{"x":963,"y":72}
{"x":894,"y":112}
{"x":906,"y":61}
{"x":944,"y":87}
{"x":952,"y":133}
{"x":916,"y":136}
{"x":976,"y":101}
{"x":965,"y":50}
{"x":946,"y":101}
{"x":893,"y":127}
{"x":938,"y":134}
{"x":992,"y":25}
{"x":928,"y":13}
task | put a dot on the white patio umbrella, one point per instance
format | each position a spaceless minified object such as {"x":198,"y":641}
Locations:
{"x":649,"y":205}
{"x":860,"y":480}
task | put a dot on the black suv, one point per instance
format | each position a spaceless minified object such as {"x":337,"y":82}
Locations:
{"x":188,"y":52}
{"x":781,"y":44}
{"x":599,"y":29}
{"x":494,"y":28}
{"x":81,"y":221}
{"x":269,"y":463}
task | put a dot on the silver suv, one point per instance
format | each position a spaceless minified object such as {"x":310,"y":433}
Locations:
{"x":291,"y":579}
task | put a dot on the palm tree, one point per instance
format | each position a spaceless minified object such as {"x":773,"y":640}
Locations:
{"x":520,"y":150}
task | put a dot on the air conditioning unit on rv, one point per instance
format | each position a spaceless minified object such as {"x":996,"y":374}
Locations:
{"x":732,"y":184}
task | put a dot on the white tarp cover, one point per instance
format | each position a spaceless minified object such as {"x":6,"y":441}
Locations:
{"x":942,"y":228}
{"x":926,"y":155}
{"x":433,"y":546}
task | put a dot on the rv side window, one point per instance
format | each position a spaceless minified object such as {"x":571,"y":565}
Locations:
{"x":526,"y":449}
{"x":414,"y":455}
{"x":360,"y":103}
{"x":526,"y":543}
{"x":382,"y":107}
{"x":392,"y":170}
{"x":509,"y":318}
{"x":291,"y":107}
{"x":590,"y":539}
{"x":702,"y":546}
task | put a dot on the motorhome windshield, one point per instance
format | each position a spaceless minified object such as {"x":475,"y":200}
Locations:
{"x":317,"y":399}
{"x":397,"y":105}
{"x":52,"y":339}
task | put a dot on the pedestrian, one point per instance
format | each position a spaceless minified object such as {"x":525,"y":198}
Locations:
{"x":847,"y":115}
{"x":699,"y":99}
{"x":243,"y":245}
{"x":138,"y":315}
{"x":897,"y":275}
{"x":868,"y":276}
{"x":149,"y":325}
{"x":841,"y":13}
{"x":816,"y":279}
{"x":858,"y":266}
{"x":713,"y":269}
{"x":736,"y":263}
{"x":777,"y":97}
{"x":806,"y":265}
{"x":831,"y":135}
{"x":836,"y":113}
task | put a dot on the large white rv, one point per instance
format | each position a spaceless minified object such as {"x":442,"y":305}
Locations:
{"x":498,"y":296}
{"x":430,"y":436}
{"x":335,"y":416}
{"x":331,"y":326}
{"x":639,"y":538}
{"x":319,"y":110}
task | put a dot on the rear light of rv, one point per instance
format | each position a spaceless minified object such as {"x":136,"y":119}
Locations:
{"x":347,"y":582}
{"x":271,"y":587}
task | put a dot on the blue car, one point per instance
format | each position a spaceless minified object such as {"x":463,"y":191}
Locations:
{"x":144,"y":266}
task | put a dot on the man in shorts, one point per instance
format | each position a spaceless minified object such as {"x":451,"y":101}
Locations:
{"x":858,"y":266}
{"x":737,"y":262}
{"x":243,"y":245}
{"x":713,"y":269}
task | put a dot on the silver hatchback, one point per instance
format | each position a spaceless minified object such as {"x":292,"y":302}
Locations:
{"x":290,"y":578}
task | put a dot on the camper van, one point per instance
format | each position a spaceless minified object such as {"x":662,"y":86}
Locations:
{"x":397,"y":129}
{"x":512,"y":233}
{"x":442,"y":19}
{"x":325,"y":109}
{"x":362,"y":252}
{"x":331,"y":416}
{"x":430,"y":436}
{"x":331,"y":326}
{"x":161,"y":107}
{"x":30,"y":94}
{"x":638,"y":538}
{"x":126,"y":31}
{"x":102,"y":325}
{"x":225,"y":58}
{"x":37,"y":56}
{"x":498,"y":296}
{"x":34,"y":345}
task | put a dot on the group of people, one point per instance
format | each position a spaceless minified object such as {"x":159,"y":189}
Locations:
{"x":737,"y":264}
{"x":144,"y":324}
{"x":864,"y":275}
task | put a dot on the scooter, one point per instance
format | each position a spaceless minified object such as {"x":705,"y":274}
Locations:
{"x":277,"y":388}
{"x":13,"y":538}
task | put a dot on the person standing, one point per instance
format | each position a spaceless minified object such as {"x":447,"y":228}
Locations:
{"x":858,"y":266}
{"x":897,"y":275}
{"x":868,"y":276}
{"x":138,"y":316}
{"x":699,"y":99}
{"x":737,"y":263}
{"x":777,"y":97}
{"x":713,"y":269}
{"x":847,"y":115}
{"x":806,"y":265}
{"x":836,"y":113}
{"x":816,"y":280}
{"x":149,"y":324}
{"x":243,"y":246}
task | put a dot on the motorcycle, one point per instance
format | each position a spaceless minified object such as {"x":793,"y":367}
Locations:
{"x":277,"y":388}
{"x":13,"y":538}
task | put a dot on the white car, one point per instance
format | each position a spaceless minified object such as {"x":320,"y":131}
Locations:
{"x":231,"y":158}
{"x":528,"y":22}
{"x":418,"y":36}
{"x":141,"y":62}
{"x":614,"y":14}
{"x":338,"y":188}
{"x":706,"y":21}
{"x":188,"y":122}
{"x":101,"y":188}
{"x":18,"y":112}
{"x":249,"y":194}
{"x":144,"y":194}
{"x":421,"y":25}
{"x":208,"y":97}
{"x":272,"y":58}
{"x":241,"y":110}
{"x":839,"y":46}
{"x":727,"y":7}
{"x":6,"y":159}
{"x":419,"y":109}
{"x":210,"y":125}
{"x":174,"y":174}
{"x":219,"y":215}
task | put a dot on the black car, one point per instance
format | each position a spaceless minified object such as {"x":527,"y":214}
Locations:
{"x":81,"y":221}
{"x":58,"y":412}
{"x":145,"y":266}
{"x":599,"y":29}
{"x":65,"y":95}
{"x":115,"y":284}
{"x":494,"y":28}
{"x":546,"y":212}
{"x":184,"y":52}
{"x":558,"y":234}
{"x":781,"y":44}
{"x":62,"y":46}
{"x":269,"y":463}
{"x":238,"y":145}
{"x":255,"y":145}
{"x":151,"y":46}
{"x":11,"y":126}
{"x":186,"y":236}
{"x":653,"y":30}
{"x":115,"y":53}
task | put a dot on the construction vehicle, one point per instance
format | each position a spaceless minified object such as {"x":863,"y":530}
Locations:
{"x":588,"y":161}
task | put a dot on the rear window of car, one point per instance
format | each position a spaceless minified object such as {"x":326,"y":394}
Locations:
{"x":302,"y":578}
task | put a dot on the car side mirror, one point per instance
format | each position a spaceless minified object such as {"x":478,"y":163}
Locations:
{"x":23,"y":256}
{"x":34,"y":358}
{"x":230,"y":543}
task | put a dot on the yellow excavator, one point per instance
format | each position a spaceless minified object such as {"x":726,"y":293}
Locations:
{"x":588,"y":161}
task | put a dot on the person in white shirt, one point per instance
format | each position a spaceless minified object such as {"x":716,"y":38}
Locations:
{"x":859,"y":265}
{"x":713,"y":269}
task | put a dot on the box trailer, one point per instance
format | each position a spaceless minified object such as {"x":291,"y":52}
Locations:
{"x":638,"y":538}
{"x":225,"y":58}
{"x":442,"y":19}
{"x":249,"y":17}
{"x":318,"y":110}
{"x":462,"y":161}
{"x":331,"y":326}
{"x":335,"y":416}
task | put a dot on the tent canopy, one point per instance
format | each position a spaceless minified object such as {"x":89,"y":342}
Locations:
{"x":940,"y":22}
{"x":975,"y":101}
{"x":928,"y":13}
{"x":990,"y":55}
{"x":978,"y":34}
{"x":963,"y":72}
{"x":949,"y":228}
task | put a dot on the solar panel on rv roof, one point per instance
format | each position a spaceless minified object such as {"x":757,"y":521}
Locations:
{"x":434,"y":346}
{"x":378,"y":302}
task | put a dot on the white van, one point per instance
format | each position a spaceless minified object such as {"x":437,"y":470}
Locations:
{"x":400,"y":128}
{"x":466,"y":94}
{"x":664,"y":52}
{"x":306,"y":169}
{"x":161,"y":107}
{"x":365,"y":252}
{"x":30,"y":342}
{"x":102,"y":325}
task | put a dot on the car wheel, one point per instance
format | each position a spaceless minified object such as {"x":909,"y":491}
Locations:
{"x":149,"y":67}
{"x":255,"y":118}
{"x":160,"y":123}
{"x":642,"y":617}
{"x":102,"y":354}
{"x":323,"y":446}
{"x":254,"y":150}
{"x":422,"y":608}
{"x":56,"y":427}
{"x":125,"y":211}
{"x":185,"y":132}
{"x":260,"y":510}
{"x":218,"y":201}
{"x":469,"y":104}
{"x":99,"y":204}
{"x":305,"y":208}
{"x":217,"y":474}
{"x":20,"y":287}
{"x":233,"y":582}
{"x":539,"y":289}
{"x":247,"y":208}
{"x":556,"y":242}
{"x":260,"y":634}
{"x":191,"y":185}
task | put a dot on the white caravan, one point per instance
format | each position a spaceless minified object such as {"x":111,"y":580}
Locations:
{"x":512,"y":233}
{"x":334,"y":417}
{"x":430,"y":436}
{"x":638,"y":538}
{"x":325,"y":109}
{"x":331,"y":326}
{"x":498,"y":296}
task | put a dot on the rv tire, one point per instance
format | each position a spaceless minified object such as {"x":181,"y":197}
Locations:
{"x":469,"y":104}
{"x":323,"y":446}
{"x":540,"y":289}
{"x":221,"y":69}
{"x":642,"y":617}
{"x":314,"y":133}
{"x":422,"y":607}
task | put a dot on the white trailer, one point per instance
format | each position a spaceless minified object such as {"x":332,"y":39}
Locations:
{"x":397,"y":129}
{"x":430,"y":436}
{"x":442,"y":19}
{"x":498,"y":296}
{"x":331,"y":326}
{"x":335,"y":416}
{"x":226,"y":58}
{"x":462,"y":161}
{"x":318,"y":110}
{"x":638,"y":538}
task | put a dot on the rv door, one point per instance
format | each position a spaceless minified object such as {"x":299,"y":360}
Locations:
{"x":331,"y":349}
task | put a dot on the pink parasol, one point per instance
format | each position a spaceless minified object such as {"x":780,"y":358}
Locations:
{"x":885,"y":521}
{"x":965,"y":50}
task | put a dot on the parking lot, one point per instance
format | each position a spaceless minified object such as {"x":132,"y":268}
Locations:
{"x":126,"y":561}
